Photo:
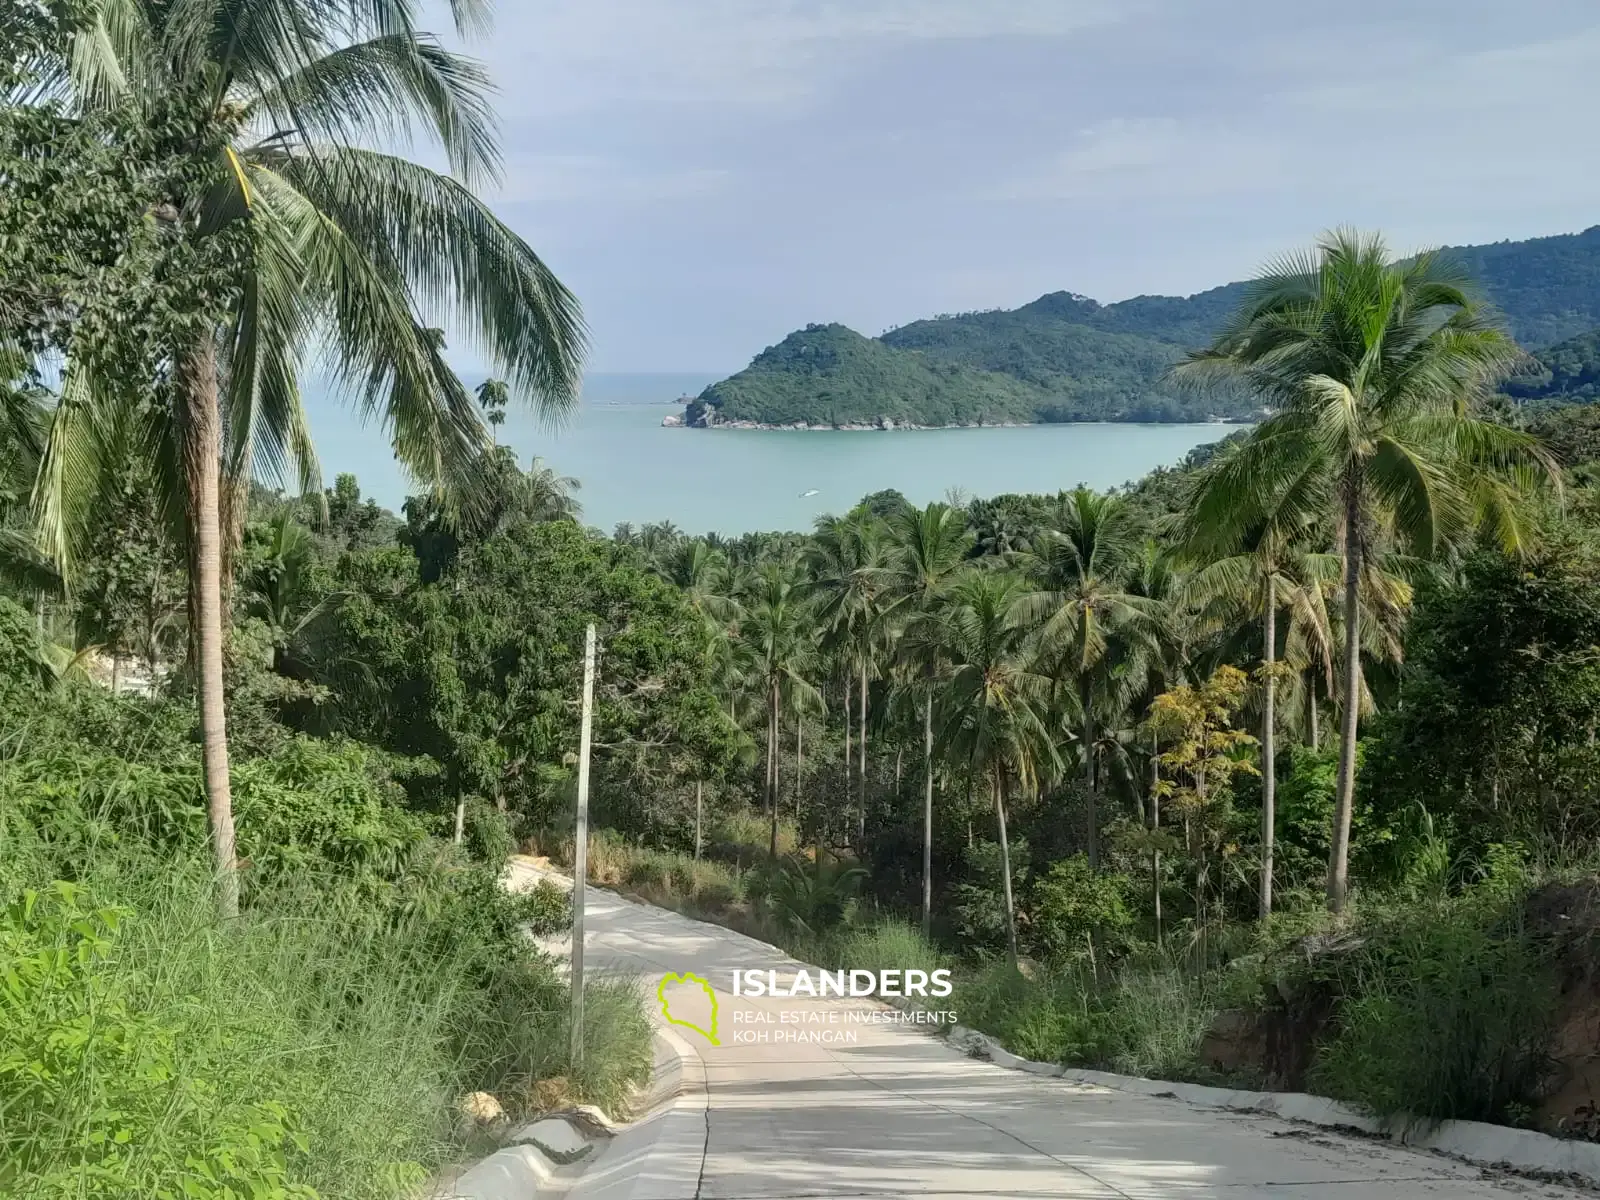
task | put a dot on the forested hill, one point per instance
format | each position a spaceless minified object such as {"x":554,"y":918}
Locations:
{"x":1065,"y":357}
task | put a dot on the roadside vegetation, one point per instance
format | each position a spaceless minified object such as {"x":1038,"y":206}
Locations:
{"x":1277,"y":767}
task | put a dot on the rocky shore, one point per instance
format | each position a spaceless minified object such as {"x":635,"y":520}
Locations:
{"x":881,"y":424}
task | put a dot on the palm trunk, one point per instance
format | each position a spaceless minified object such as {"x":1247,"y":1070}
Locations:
{"x":1269,"y":757}
{"x":861,"y":810}
{"x":116,"y":673}
{"x":1091,"y":815}
{"x":201,"y":440}
{"x":1339,"y":858}
{"x":849,"y":760}
{"x":699,"y":813}
{"x":1005,"y":866}
{"x":799,"y":762}
{"x":772,"y":787}
{"x":1311,"y":713}
{"x":1155,"y":825}
{"x":927,"y":819}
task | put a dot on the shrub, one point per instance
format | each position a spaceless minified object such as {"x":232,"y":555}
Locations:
{"x":1077,"y":911}
{"x":1445,"y":1017}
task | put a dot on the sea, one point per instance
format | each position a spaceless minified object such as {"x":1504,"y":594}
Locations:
{"x":632,"y":469}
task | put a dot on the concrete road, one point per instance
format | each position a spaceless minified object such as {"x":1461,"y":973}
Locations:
{"x":879,"y":1110}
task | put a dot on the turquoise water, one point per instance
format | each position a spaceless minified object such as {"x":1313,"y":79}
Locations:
{"x":734,"y":481}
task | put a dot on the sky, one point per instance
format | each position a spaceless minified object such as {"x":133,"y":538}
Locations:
{"x":708,"y":175}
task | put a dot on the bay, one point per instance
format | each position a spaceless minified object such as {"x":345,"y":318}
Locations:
{"x":735,"y":481}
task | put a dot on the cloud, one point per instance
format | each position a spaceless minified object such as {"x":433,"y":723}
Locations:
{"x":574,"y":55}
{"x":1140,"y":156}
{"x":531,"y":178}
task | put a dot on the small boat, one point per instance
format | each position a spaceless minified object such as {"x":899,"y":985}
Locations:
{"x":812,"y":492}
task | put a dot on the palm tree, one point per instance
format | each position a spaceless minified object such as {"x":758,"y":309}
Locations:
{"x":1252,"y":572}
{"x":847,"y":564}
{"x":930,"y":546}
{"x":1373,"y":368}
{"x":993,"y":711}
{"x":779,"y":630}
{"x":345,"y":248}
{"x":493,"y":396}
{"x":1081,"y":564}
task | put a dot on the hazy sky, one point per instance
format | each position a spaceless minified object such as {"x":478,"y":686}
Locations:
{"x":710,"y":174}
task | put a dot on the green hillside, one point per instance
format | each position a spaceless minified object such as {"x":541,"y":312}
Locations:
{"x":1065,"y":357}
{"x":830,"y":375}
{"x":1566,"y":373}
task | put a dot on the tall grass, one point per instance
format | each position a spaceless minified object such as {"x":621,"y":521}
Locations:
{"x":302,"y":1049}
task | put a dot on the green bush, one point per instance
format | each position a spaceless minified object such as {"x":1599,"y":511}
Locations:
{"x":1076,"y":911}
{"x":1447,"y":1016}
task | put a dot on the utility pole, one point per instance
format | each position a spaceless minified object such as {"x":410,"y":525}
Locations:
{"x":580,"y":850}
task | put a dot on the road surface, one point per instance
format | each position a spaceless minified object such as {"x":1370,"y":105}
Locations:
{"x":897,"y":1113}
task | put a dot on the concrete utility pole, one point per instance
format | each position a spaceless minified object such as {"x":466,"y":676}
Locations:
{"x":580,"y":849}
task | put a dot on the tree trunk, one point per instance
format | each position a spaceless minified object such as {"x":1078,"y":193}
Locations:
{"x":861,"y":810}
{"x":1005,"y":867}
{"x":1311,"y":714}
{"x":1091,"y":815}
{"x":1155,"y":825}
{"x":699,"y":813}
{"x":201,"y":441}
{"x":927,"y":818}
{"x":899,"y":763}
{"x":849,"y":759}
{"x":1269,"y":755}
{"x":461,"y":818}
{"x":1344,"y":800}
{"x":799,"y":762}
{"x":116,"y":672}
{"x":772,"y":783}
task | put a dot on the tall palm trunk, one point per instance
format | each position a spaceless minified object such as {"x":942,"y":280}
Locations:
{"x":1091,"y":813}
{"x":998,"y":784}
{"x":1269,"y":755}
{"x":1311,"y":713}
{"x":861,"y":808}
{"x":773,"y":708}
{"x":1155,"y":825}
{"x":849,"y":760}
{"x":699,"y":813}
{"x":1339,"y":858}
{"x":201,"y":439}
{"x":799,"y":761}
{"x":927,"y":818}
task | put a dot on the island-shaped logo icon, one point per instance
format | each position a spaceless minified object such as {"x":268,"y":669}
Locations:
{"x":688,"y":1004}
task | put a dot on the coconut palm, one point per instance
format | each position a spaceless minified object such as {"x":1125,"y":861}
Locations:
{"x":779,"y":635}
{"x":847,"y":561}
{"x":929,"y":548}
{"x":493,"y":396}
{"x":342,"y":247}
{"x":1373,"y":369}
{"x":1088,"y":618}
{"x":993,"y":711}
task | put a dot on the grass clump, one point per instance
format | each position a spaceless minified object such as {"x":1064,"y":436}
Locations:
{"x":1448,"y":1015}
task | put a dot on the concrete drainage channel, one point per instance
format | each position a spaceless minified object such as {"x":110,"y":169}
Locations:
{"x":581,"y":1156}
{"x":1494,"y":1147}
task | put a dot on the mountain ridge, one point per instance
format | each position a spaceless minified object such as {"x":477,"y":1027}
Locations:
{"x":1064,"y":356}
